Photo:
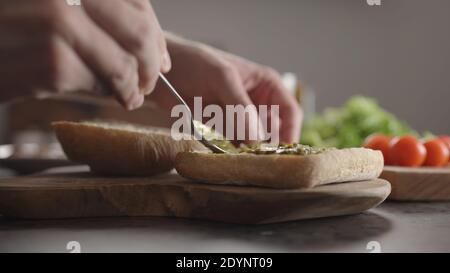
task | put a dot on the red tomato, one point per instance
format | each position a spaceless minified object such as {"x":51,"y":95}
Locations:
{"x":407,"y":151}
{"x":380,"y":143}
{"x":446,"y":140}
{"x":437,"y":153}
{"x":394,"y":140}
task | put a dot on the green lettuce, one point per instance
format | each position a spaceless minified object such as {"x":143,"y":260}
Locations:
{"x":350,"y":124}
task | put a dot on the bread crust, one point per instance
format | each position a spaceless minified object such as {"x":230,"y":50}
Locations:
{"x":281,"y":171}
{"x":120,"y":149}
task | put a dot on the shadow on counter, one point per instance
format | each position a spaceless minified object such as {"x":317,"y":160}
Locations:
{"x":306,"y":235}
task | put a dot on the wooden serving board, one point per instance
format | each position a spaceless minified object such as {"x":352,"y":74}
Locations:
{"x":79,"y":194}
{"x":418,"y":184}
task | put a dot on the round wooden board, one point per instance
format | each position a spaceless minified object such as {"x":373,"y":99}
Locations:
{"x":418,"y":184}
{"x":80,"y":194}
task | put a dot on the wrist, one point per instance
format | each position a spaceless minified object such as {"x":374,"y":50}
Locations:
{"x":175,"y":42}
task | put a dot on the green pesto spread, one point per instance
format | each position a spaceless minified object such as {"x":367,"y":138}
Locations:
{"x":261,"y":148}
{"x":215,"y":138}
{"x":282,"y":149}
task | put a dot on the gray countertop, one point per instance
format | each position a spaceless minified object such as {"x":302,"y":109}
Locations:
{"x":5,"y":172}
{"x":395,"y":227}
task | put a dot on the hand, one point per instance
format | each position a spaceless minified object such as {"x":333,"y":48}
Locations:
{"x":224,"y":79}
{"x":104,"y":46}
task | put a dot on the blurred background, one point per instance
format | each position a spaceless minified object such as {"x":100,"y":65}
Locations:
{"x":397,"y":53}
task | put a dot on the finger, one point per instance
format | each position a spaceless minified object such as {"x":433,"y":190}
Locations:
{"x":67,"y":71}
{"x":36,"y":61}
{"x":274,"y":128}
{"x":138,"y":4}
{"x":271,"y":123}
{"x":104,"y":56}
{"x":234,"y":94}
{"x":291,"y":117}
{"x":137,"y":31}
{"x":290,"y":112}
{"x":144,"y":5}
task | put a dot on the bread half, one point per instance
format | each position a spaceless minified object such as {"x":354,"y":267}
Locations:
{"x":281,"y":171}
{"x":120,"y":149}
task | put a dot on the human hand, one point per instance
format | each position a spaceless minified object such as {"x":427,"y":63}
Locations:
{"x":224,"y":79}
{"x":114,"y":46}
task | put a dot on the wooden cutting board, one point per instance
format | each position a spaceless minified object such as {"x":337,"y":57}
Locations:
{"x":418,"y":184}
{"x":76,"y":194}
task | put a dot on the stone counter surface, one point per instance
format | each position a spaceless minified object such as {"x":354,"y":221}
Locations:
{"x":393,"y":227}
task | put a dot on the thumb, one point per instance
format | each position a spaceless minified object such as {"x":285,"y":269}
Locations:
{"x":241,"y":112}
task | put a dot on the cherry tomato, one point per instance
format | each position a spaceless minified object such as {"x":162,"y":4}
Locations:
{"x":446,"y":140}
{"x":407,"y":151}
{"x":437,"y":153}
{"x":380,"y":143}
